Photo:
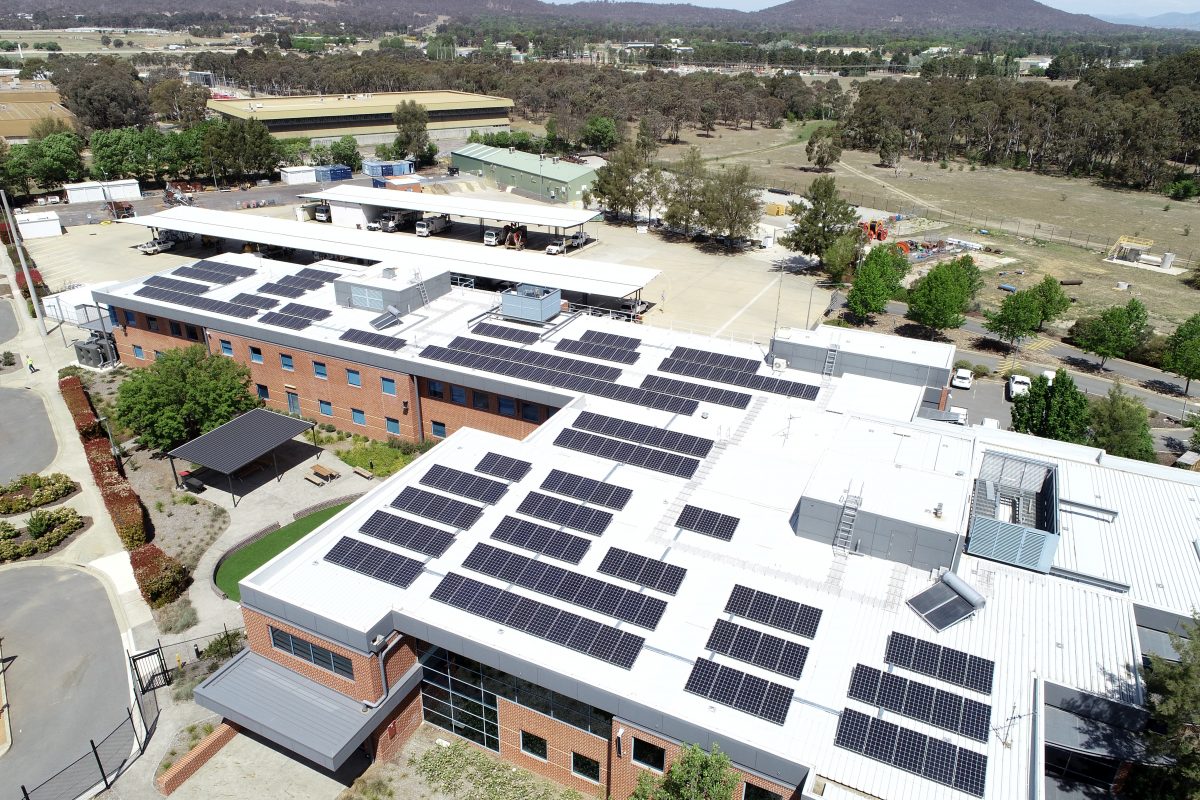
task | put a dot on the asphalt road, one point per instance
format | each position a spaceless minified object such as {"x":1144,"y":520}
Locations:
{"x":27,"y":443}
{"x":8,"y":322}
{"x":65,"y":670}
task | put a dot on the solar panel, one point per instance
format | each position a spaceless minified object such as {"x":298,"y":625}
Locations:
{"x":627,"y":453}
{"x":749,"y":380}
{"x":562,"y":380}
{"x":201,"y":274}
{"x":912,"y":751}
{"x":760,"y":607}
{"x":308,"y":312}
{"x":385,"y":320}
{"x":662,"y":438}
{"x":944,"y":663}
{"x":407,"y":533}
{"x":540,"y":539}
{"x":187,"y":287}
{"x":709,"y":523}
{"x":255,"y":301}
{"x":510,"y":469}
{"x":284,"y":321}
{"x":464,"y":484}
{"x":454,"y":513}
{"x":226,"y":269}
{"x":696,"y":391}
{"x":317,"y":275}
{"x":758,"y":648}
{"x":281,"y":290}
{"x":596,"y":350}
{"x":375,"y":562}
{"x":716,"y":359}
{"x":737,"y":689}
{"x":864,"y":684}
{"x":534,"y":358}
{"x":565,"y":513}
{"x":976,"y":720}
{"x":193,"y":301}
{"x":586,"y":489}
{"x":612,"y":340}
{"x":920,"y":702}
{"x":609,"y":644}
{"x":940,"y":606}
{"x":571,"y":587}
{"x":505,"y":333}
{"x":307,"y":284}
{"x":371,"y":339}
{"x":891,"y":692}
{"x":657,"y":575}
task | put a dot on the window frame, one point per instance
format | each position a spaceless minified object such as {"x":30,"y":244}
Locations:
{"x":476,"y":396}
{"x":312,"y":653}
{"x":263,"y":391}
{"x":175,"y":328}
{"x":633,"y":755}
{"x":358,"y":416}
{"x":383,"y":386}
{"x":226,"y":348}
{"x":761,"y":793}
{"x":320,"y":371}
{"x":286,"y":362}
{"x":526,"y":408}
{"x":130,"y":318}
{"x":256,"y":355}
{"x":325,"y":404}
{"x":433,"y":429}
{"x":576,"y":771}
{"x":458,"y":395}
{"x":152,"y":323}
{"x":353,"y":378}
{"x":435,"y":389}
{"x":139,"y":353}
{"x":500,"y":403}
{"x":534,"y":739}
{"x":391,"y":423}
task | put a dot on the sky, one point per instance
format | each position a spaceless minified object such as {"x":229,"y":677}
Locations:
{"x":1141,"y":8}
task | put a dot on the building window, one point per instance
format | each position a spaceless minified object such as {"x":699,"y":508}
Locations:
{"x":393,"y":425}
{"x":481,"y":401}
{"x":435,"y":389}
{"x":458,"y":395}
{"x":256,"y":355}
{"x":530,"y":413}
{"x":193,"y":333}
{"x":649,"y":755}
{"x":263,"y":392}
{"x":508,"y":406}
{"x":533,"y":744}
{"x":285,"y":361}
{"x":130,"y":318}
{"x":138,"y":352}
{"x":319,"y":370}
{"x":388,"y":386}
{"x":585,"y":767}
{"x":157,"y":355}
{"x":282,"y":640}
{"x":753,"y":792}
{"x":226,"y":347}
{"x":438,"y":429}
{"x":326,"y":407}
{"x":353,"y":378}
{"x":176,"y":329}
{"x":152,"y":323}
{"x":112,"y":315}
{"x":358,"y":416}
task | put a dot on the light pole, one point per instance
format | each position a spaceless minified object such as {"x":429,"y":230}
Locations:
{"x":808,"y":308}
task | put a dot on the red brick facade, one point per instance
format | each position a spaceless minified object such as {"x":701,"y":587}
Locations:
{"x":171,"y":779}
{"x":561,"y":741}
{"x":391,"y":736}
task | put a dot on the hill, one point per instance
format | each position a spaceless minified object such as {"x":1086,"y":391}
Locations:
{"x":1013,"y":15}
{"x":1174,"y":19}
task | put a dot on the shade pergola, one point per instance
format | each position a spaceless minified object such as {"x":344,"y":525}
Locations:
{"x":239,"y":442}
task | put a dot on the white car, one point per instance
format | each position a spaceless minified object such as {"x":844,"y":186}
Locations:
{"x":962,"y":379}
{"x":1017,"y":385}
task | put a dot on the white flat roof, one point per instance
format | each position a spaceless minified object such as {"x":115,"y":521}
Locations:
{"x":431,"y":255}
{"x":460,"y":206}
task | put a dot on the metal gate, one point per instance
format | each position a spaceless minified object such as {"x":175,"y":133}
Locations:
{"x":151,"y":669}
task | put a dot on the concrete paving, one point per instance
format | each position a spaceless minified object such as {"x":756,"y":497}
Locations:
{"x":67,"y":680}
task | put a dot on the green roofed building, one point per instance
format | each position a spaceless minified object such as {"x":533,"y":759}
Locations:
{"x":546,"y":177}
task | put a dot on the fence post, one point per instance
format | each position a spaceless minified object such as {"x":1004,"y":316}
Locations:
{"x":24,"y":793}
{"x":99,"y":763}
{"x":132,"y":727}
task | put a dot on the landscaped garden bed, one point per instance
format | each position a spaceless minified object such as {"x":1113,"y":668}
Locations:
{"x":31,"y":491}
{"x":43,"y":531}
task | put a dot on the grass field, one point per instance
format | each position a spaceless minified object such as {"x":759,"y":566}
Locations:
{"x":242,"y":562}
{"x":72,"y":42}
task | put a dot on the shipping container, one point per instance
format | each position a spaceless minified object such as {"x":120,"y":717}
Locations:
{"x":298,"y":175}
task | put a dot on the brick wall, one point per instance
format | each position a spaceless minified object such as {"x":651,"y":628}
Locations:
{"x":561,"y":741}
{"x":455,"y":416}
{"x":127,"y":336}
{"x":197,"y":757}
{"x":389,"y":739}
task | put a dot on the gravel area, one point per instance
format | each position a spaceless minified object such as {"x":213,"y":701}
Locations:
{"x":184,"y":525}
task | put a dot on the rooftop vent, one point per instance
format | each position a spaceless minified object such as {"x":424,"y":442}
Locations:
{"x":1014,"y":511}
{"x":531,"y":303}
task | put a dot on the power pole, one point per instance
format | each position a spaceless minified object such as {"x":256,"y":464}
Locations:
{"x":15,"y":236}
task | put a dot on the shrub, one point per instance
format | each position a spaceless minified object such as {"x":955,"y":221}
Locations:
{"x":38,"y":524}
{"x":16,"y":504}
{"x":224,"y":645}
{"x":11,"y":551}
{"x":161,"y":578}
{"x":86,"y":421}
{"x":981,"y":370}
{"x":8,"y":530}
{"x":128,"y":514}
{"x":8,"y":358}
{"x":176,"y":617}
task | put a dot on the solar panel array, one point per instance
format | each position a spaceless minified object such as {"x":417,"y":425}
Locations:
{"x":778,"y":612}
{"x":696,"y":391}
{"x":709,"y":523}
{"x":649,"y":572}
{"x":587,"y":489}
{"x":565,"y":513}
{"x":374,"y":562}
{"x":540,"y":539}
{"x":943,"y":663}
{"x":563,"y":584}
{"x":562,"y":380}
{"x":507,"y":334}
{"x":307,"y":284}
{"x":187,"y":287}
{"x":446,"y":510}
{"x":308,"y":312}
{"x":627,"y":453}
{"x":941,"y":762}
{"x":945,"y":710}
{"x":281,"y":290}
{"x":758,"y":648}
{"x":408,"y":533}
{"x":740,"y":690}
{"x":284,"y":321}
{"x":464,"y":484}
{"x":255,"y":301}
{"x":226,"y":269}
{"x":506,"y":467}
{"x":533,"y":358}
{"x":202,"y":274}
{"x":317,"y":275}
{"x":715,"y":359}
{"x":372,"y":339}
{"x":192,"y":301}
{"x":612,"y":340}
{"x":762,"y":383}
{"x":683,"y":443}
{"x":596,"y":350}
{"x":586,"y":636}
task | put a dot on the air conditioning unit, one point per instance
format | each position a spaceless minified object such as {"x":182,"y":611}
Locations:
{"x":779,"y":364}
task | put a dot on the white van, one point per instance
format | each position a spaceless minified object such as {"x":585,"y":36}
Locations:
{"x":491,"y":237}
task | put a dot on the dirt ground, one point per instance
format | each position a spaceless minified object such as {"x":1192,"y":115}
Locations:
{"x":74,"y":42}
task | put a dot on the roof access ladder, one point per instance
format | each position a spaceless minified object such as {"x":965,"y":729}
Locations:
{"x":844,"y":535}
{"x":420,"y":282}
{"x":830,"y":361}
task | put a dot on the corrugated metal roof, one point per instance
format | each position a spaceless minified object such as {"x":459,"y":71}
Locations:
{"x":529,"y":163}
{"x":235,"y":444}
{"x":340,"y":105}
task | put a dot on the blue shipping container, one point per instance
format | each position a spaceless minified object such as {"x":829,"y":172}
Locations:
{"x":378,"y":169}
{"x":322,"y":173}
{"x":404,"y":168}
{"x":378,"y":183}
{"x":340,"y":172}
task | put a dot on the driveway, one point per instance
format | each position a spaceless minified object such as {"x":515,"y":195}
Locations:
{"x":8,"y":322}
{"x":27,"y":443}
{"x":65,"y":671}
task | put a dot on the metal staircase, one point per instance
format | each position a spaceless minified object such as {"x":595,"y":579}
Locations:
{"x":830,"y":361}
{"x":845,"y":528}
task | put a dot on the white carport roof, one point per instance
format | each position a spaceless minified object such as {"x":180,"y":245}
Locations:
{"x":459,"y":206}
{"x":433,"y":256}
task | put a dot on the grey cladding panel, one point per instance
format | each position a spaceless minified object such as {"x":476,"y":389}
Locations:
{"x":484,"y":655}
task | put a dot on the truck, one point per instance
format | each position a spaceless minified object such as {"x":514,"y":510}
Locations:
{"x":321,"y":213}
{"x":394,"y":220}
{"x":434,"y":224}
{"x":559,"y":246}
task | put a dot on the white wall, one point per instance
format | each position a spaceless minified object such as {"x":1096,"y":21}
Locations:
{"x":38,"y":226}
{"x":348,"y":215}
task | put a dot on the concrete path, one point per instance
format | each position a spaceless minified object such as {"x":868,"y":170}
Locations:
{"x":26,"y":442}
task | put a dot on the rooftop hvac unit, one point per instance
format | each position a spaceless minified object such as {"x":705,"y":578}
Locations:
{"x":779,"y":364}
{"x":531,"y":303}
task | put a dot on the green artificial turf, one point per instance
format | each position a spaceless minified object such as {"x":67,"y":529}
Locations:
{"x":243,"y":561}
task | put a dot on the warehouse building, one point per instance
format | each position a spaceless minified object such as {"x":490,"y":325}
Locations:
{"x":23,"y":103}
{"x":545,"y":177}
{"x":368,"y":117}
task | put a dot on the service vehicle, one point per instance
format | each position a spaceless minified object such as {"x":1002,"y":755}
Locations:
{"x":432,"y":225}
{"x":491,"y":237}
{"x":321,"y":214}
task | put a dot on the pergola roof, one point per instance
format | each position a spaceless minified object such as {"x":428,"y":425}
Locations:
{"x":235,"y":444}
